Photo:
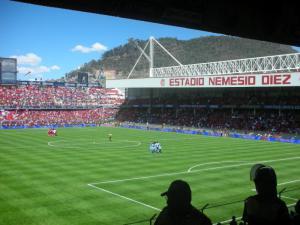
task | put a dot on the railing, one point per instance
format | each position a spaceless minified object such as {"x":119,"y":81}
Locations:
{"x":226,"y":222}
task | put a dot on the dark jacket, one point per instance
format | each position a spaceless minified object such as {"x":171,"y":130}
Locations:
{"x":265,"y":211}
{"x":192,"y":216}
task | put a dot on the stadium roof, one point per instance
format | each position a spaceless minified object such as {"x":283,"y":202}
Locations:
{"x":262,"y":20}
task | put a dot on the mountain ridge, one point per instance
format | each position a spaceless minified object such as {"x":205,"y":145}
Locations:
{"x":121,"y":59}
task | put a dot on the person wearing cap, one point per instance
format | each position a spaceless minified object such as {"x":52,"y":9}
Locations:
{"x":265,"y":208}
{"x":179,"y":210}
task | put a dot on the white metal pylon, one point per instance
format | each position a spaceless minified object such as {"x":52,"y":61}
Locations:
{"x":151,"y":42}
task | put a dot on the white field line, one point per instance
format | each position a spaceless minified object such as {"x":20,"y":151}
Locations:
{"x":196,"y":171}
{"x":140,"y":178}
{"x":288,"y":182}
{"x":66,"y":145}
{"x":283,"y":196}
{"x":245,"y":164}
{"x":202,"y":164}
{"x":124,"y":197}
{"x":140,"y":203}
{"x":185,"y":172}
{"x":138,"y":143}
{"x":50,"y":144}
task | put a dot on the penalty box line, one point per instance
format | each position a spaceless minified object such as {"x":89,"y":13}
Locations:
{"x":284,"y":196}
{"x":195,"y":171}
{"x":92,"y":185}
{"x":124,"y":197}
{"x":149,"y":206}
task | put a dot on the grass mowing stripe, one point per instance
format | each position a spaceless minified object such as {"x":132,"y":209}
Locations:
{"x":46,"y":185}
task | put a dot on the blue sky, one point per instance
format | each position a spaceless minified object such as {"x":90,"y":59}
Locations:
{"x":49,"y":42}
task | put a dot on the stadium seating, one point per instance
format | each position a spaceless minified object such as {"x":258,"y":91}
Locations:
{"x":232,"y":113}
{"x":33,"y":105}
{"x":57,"y":97}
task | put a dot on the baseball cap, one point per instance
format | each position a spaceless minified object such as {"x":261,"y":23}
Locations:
{"x":179,"y":189}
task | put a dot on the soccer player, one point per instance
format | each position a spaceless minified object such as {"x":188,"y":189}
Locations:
{"x":158,"y":147}
{"x":110,"y":137}
{"x":49,"y":132}
{"x":152,"y":147}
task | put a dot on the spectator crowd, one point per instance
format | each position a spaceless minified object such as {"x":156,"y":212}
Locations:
{"x":250,"y":110}
{"x":36,"y":96}
{"x":247,"y":111}
{"x":55,"y":117}
{"x":34,"y":105}
{"x":263,"y":121}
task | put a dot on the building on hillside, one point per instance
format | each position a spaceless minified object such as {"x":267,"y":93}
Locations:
{"x":110,"y":74}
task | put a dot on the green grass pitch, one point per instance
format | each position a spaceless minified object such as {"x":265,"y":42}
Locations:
{"x":81,"y":178}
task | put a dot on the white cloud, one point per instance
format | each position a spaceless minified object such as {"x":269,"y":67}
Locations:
{"x":29,"y":67}
{"x":33,"y":70}
{"x":96,"y":47}
{"x":55,"y":67}
{"x":37,"y":69}
{"x":28,"y":59}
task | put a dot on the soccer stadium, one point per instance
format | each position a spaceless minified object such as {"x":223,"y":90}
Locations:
{"x":86,"y":153}
{"x":212,"y":129}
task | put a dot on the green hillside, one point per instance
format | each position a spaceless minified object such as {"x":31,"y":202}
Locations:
{"x":204,"y":49}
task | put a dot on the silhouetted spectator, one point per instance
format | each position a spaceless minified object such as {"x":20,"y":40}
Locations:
{"x":296,"y":219}
{"x":265,"y":208}
{"x":233,"y":221}
{"x":179,"y":210}
{"x":292,"y":214}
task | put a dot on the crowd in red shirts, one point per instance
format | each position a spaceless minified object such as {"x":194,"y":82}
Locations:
{"x":34,"y":105}
{"x":58,"y":97}
{"x":57,"y":117}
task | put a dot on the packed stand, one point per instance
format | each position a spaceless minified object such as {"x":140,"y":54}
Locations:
{"x":35,"y":96}
{"x":250,"y":111}
{"x":34,"y":105}
{"x":266,"y":121}
{"x":32,"y":118}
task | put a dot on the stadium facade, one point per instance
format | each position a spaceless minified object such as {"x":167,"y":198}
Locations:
{"x":251,"y":95}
